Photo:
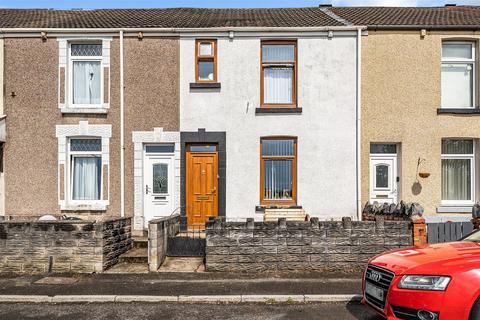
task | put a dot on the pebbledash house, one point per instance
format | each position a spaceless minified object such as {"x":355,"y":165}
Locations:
{"x":207,"y":112}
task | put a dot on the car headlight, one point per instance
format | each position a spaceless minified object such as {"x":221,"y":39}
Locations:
{"x":418,"y":282}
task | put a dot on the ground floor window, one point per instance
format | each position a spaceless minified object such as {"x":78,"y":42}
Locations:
{"x":458,"y":166}
{"x":85,"y":169}
{"x":278,"y":171}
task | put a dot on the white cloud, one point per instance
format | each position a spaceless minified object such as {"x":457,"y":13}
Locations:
{"x":381,"y":3}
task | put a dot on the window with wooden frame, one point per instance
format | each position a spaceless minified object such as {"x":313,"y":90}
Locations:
{"x":278,"y":78}
{"x":206,"y":61}
{"x":278,"y":171}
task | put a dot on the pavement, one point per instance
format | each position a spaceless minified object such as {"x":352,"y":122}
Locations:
{"x":171,"y":311}
{"x":182,"y":284}
{"x":178,"y":295}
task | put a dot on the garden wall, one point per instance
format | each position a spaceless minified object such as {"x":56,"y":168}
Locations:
{"x":301,"y":246}
{"x":62,"y":246}
{"x":158,"y":232}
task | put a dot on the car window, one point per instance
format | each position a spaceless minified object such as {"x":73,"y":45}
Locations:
{"x":473,"y":237}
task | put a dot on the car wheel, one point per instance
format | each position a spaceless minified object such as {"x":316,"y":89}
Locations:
{"x":475,"y":312}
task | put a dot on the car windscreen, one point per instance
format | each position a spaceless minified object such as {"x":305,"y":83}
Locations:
{"x":475,"y":236}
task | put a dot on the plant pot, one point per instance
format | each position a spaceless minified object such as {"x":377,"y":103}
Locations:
{"x":424,"y":175}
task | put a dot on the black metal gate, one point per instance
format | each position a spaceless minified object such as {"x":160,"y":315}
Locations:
{"x":438,"y":232}
{"x":188,"y":243}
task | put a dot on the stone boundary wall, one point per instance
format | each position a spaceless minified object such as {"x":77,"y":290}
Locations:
{"x":117,"y":239}
{"x":158,"y":232}
{"x":62,"y":246}
{"x":301,"y":246}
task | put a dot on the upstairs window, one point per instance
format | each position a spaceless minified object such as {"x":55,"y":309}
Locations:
{"x":206,"y":61}
{"x":278,"y":166}
{"x":458,"y":167}
{"x":278,"y":74}
{"x":86,"y":169}
{"x":85,"y":60}
{"x":458,"y":74}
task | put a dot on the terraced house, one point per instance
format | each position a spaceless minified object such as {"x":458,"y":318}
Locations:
{"x":238,"y":113}
{"x":420,"y":106}
{"x":207,"y":112}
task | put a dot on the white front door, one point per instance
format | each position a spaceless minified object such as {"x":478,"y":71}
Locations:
{"x":383,"y":178}
{"x":158,"y":177}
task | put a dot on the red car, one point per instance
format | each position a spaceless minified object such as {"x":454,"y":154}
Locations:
{"x":432,"y":282}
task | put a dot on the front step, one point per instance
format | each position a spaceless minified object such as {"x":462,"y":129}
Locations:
{"x":140,"y":242}
{"x":135,"y":255}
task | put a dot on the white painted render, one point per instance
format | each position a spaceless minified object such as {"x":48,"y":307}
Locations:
{"x":326,"y":129}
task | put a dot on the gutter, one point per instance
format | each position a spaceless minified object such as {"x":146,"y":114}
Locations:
{"x":359,"y":124}
{"x":424,"y":26}
{"x":185,"y":30}
{"x":122,"y":130}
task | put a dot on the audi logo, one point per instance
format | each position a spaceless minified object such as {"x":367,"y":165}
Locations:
{"x":375,"y":276}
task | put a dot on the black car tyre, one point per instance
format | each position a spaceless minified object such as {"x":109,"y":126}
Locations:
{"x":475,"y":312}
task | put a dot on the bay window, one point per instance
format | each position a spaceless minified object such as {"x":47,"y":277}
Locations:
{"x":278,"y":171}
{"x":85,"y":169}
{"x":278,"y":74}
{"x":458,"y":171}
{"x":85,"y":61}
{"x":458,"y":74}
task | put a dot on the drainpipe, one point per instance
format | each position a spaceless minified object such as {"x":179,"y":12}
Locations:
{"x":122,"y":129}
{"x":359,"y":123}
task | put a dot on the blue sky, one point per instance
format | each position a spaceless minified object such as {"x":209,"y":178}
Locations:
{"x":91,"y":4}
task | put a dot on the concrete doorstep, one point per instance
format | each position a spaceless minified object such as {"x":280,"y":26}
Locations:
{"x":269,"y":299}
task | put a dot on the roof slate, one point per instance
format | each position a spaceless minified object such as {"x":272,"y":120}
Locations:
{"x":449,"y":16}
{"x":165,"y":18}
{"x":411,"y":16}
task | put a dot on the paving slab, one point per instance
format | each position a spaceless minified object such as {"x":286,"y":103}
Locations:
{"x":332,"y":298}
{"x":182,"y":264}
{"x":25,"y":298}
{"x":146,"y":299}
{"x":211,"y":299}
{"x":83,"y":298}
{"x":273,"y":298}
{"x":56,"y":280}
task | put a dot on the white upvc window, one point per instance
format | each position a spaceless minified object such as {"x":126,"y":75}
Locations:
{"x":85,"y":170}
{"x":85,"y":89}
{"x":458,"y":171}
{"x":458,"y":74}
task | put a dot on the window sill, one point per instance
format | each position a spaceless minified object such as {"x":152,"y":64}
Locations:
{"x":455,"y":209}
{"x":83,"y":207}
{"x":206,"y":85}
{"x":66,"y":110}
{"x":467,"y":111}
{"x":278,"y":110}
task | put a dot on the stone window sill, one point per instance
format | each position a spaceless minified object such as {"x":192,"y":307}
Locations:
{"x":278,"y":110}
{"x":66,"y":110}
{"x":454,"y":209}
{"x":84,"y":207}
{"x":207,"y":85}
{"x":467,"y":111}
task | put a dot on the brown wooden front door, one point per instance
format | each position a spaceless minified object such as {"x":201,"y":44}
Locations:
{"x":201,"y":187}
